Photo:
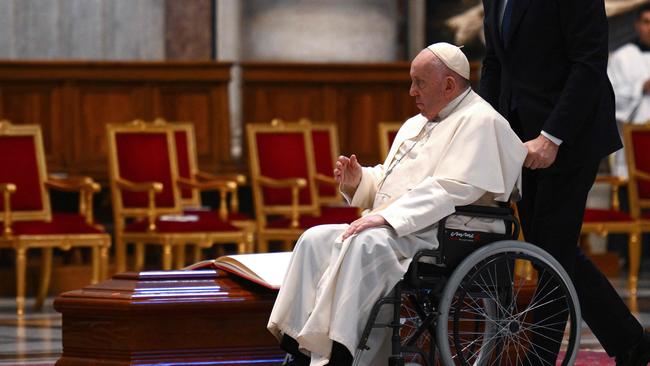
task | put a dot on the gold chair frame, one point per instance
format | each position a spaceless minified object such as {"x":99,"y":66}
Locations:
{"x":227,"y":185}
{"x":258,"y":181}
{"x":168,"y":241}
{"x":603,"y":228}
{"x":99,"y":243}
{"x":384,"y":129}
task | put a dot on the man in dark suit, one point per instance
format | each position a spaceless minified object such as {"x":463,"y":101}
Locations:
{"x":545,"y":71}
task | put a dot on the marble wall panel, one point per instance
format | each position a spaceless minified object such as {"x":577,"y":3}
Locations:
{"x":36,"y":29}
{"x":81,"y":29}
{"x":320,"y":31}
{"x":7,"y":29}
{"x":133,"y":29}
{"x":188,"y":29}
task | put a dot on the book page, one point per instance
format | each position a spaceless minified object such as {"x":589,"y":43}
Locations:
{"x":269,"y":267}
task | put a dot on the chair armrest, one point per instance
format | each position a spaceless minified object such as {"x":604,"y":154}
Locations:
{"x":127,"y":185}
{"x":72,"y":183}
{"x":206,"y":185}
{"x":223,"y":186}
{"x":86,"y":187}
{"x":324,"y":179}
{"x":641,"y":175}
{"x":615,"y":182}
{"x":7,"y":190}
{"x":295,"y":184}
{"x":150,"y":187}
{"x":240,"y":179}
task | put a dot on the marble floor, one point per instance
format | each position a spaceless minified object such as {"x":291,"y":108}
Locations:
{"x":35,"y":339}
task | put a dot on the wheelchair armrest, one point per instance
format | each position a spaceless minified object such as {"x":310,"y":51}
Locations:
{"x":415,"y":263}
{"x":504,"y":213}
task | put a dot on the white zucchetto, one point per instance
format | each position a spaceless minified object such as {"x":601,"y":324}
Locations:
{"x":452,"y":57}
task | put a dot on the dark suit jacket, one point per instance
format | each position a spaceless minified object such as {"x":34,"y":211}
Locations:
{"x":552,"y":71}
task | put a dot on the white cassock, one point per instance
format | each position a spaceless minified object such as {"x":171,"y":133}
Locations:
{"x":628,"y":70}
{"x":470,"y":155}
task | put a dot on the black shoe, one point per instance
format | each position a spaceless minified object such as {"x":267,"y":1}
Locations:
{"x":290,"y":360}
{"x":340,"y":355}
{"x":637,"y":355}
{"x":294,"y":356}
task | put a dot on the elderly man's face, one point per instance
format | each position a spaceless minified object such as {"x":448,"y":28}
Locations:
{"x":426,"y":85}
{"x":642,"y":26}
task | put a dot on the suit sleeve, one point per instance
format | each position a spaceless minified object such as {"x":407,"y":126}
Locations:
{"x":584,"y":27}
{"x":490,"y":85}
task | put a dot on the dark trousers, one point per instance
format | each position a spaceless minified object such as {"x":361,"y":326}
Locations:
{"x":551,"y":213}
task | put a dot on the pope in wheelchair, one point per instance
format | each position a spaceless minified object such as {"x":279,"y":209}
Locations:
{"x":461,"y":303}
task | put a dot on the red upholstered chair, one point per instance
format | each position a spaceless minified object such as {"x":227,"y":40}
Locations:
{"x":28,"y":221}
{"x":282,"y":176}
{"x":197,"y":181}
{"x":325,"y":142}
{"x":146,"y":195}
{"x":636,"y":140}
{"x":387,"y":133}
{"x":614,"y":221}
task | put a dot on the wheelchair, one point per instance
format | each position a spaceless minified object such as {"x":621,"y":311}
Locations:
{"x":469,"y":303}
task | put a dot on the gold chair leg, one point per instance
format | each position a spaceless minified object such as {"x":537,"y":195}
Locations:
{"x":96,"y":264}
{"x":242,"y":247}
{"x":46,"y":276}
{"x":198,"y":253}
{"x":120,"y":254}
{"x":21,"y":259}
{"x":103,"y":259}
{"x":262,"y":244}
{"x":287,"y":245}
{"x":167,"y":256}
{"x":180,"y":256}
{"x":634,"y":253}
{"x":139,"y":256}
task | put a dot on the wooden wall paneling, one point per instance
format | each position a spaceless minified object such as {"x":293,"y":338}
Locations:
{"x":265,"y":101}
{"x":98,"y":104}
{"x":38,"y":103}
{"x":220,"y":137}
{"x":206,"y":106}
{"x":356,"y":96}
{"x":363,"y":106}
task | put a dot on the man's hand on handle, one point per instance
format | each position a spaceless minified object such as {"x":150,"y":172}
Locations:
{"x":541,"y":153}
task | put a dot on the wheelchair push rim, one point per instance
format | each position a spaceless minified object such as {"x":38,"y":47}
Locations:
{"x":486,"y":319}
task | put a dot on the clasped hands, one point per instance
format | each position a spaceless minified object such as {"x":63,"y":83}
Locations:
{"x":347,"y":173}
{"x":541,"y":153}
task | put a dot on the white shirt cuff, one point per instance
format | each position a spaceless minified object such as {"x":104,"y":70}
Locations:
{"x":553,"y":139}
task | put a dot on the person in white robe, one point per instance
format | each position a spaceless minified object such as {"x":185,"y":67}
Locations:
{"x":629,"y":72}
{"x":457,"y":151}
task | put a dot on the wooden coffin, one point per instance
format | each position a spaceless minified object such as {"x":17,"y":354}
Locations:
{"x":201,"y":317}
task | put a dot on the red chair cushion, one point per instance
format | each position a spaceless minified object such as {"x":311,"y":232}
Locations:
{"x":391,"y":137}
{"x":281,"y":156}
{"x":641,"y":145}
{"x":329,"y":215}
{"x":183,"y":159}
{"x":324,"y":163}
{"x":62,"y":223}
{"x":601,"y":215}
{"x":144,"y":157}
{"x":19,"y":166}
{"x":204,"y":223}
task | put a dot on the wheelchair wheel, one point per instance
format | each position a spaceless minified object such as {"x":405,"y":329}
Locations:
{"x":491,"y":316}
